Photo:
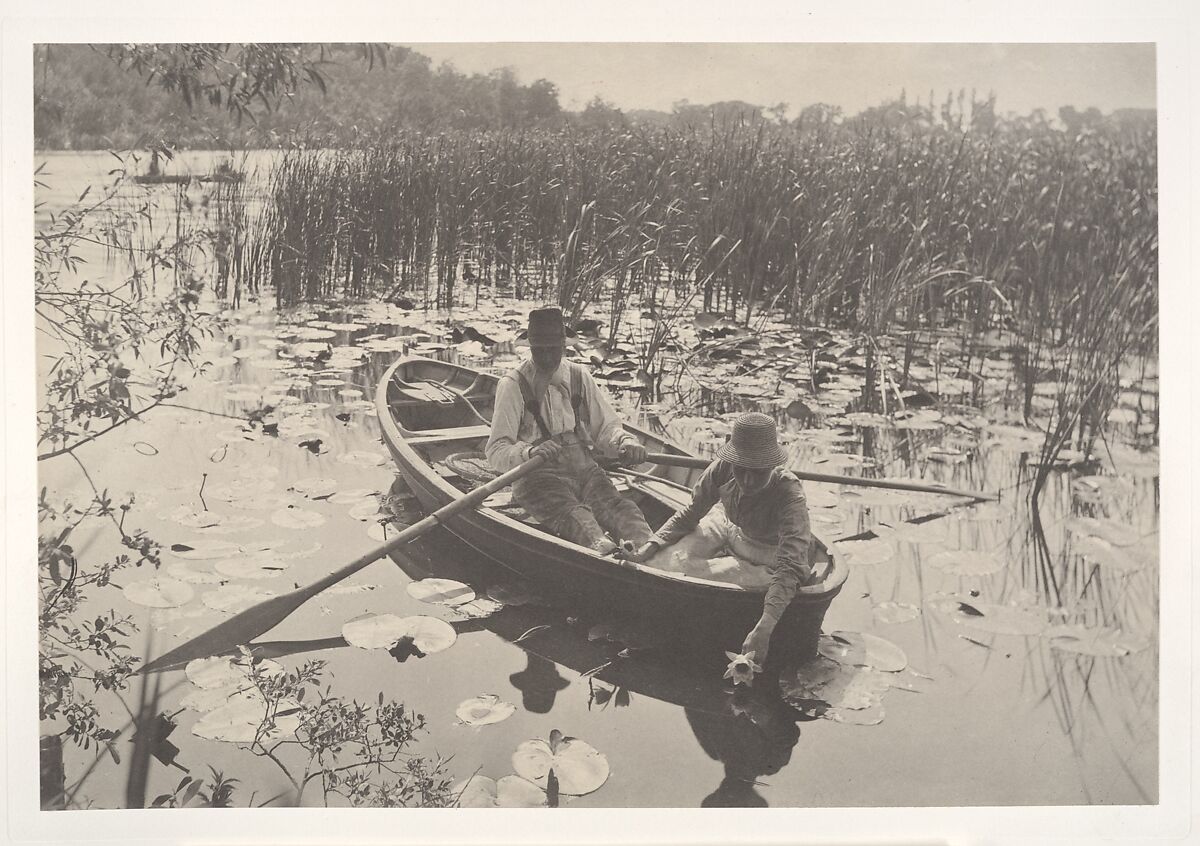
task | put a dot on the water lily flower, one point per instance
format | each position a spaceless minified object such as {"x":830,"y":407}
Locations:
{"x":741,"y":668}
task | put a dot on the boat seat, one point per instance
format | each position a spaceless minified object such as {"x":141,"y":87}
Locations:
{"x":442,"y":436}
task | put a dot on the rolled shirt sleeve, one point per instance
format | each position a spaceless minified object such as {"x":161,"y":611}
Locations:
{"x":505,"y":450}
{"x":792,"y":566}
{"x":704,"y":497}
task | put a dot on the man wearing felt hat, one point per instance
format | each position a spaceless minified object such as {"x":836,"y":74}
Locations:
{"x":552,"y":407}
{"x":764,"y":521}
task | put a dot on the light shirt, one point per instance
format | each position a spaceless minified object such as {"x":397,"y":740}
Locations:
{"x":777,"y":514}
{"x":514,"y":430}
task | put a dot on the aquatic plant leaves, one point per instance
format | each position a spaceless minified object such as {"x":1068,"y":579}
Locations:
{"x":384,"y":631}
{"x":363,"y":458}
{"x":1098,"y":641}
{"x":315,"y":487}
{"x":484,"y":710}
{"x":511,"y":791}
{"x":223,"y":671}
{"x":1101,"y":552}
{"x":441,"y":591}
{"x":209,"y":699}
{"x":297,"y":518}
{"x":252,"y":567}
{"x":245,"y":719}
{"x":821,"y":684}
{"x":193,"y":574}
{"x":1097,"y":489}
{"x":375,"y":631}
{"x":365,"y":508}
{"x":352,"y":496}
{"x":383,"y":531}
{"x":201,"y":550}
{"x":866,"y":552}
{"x":863,"y":650}
{"x":185,"y":515}
{"x":966,"y":562}
{"x":578,"y":767}
{"x":159,"y":593}
{"x":927,"y":531}
{"x":479,"y":607}
{"x":1117,"y":534}
{"x":234,"y":598}
{"x":990,"y":617}
{"x":895,"y":612}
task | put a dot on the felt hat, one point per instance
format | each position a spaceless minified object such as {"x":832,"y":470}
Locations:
{"x":754,"y":443}
{"x":546,"y":327}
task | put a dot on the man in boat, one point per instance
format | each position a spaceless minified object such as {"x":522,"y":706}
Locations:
{"x":553,"y":408}
{"x":763,"y":522}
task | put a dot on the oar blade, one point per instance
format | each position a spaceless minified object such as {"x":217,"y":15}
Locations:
{"x":238,"y":630}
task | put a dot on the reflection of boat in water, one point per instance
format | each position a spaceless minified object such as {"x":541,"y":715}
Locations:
{"x":432,"y":413}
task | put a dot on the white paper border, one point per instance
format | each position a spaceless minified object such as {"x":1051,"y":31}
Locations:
{"x":1171,"y":25}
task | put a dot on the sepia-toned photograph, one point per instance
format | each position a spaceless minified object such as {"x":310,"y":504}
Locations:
{"x":547,"y":424}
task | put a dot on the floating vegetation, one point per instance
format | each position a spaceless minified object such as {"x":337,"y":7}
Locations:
{"x":159,"y":593}
{"x":966,"y":562}
{"x":441,"y":591}
{"x":895,"y":612}
{"x":862,"y":650}
{"x":866,"y":552}
{"x":576,"y":766}
{"x":990,"y":617}
{"x":484,"y":710}
{"x":233,"y":598}
{"x":297,"y":518}
{"x":511,"y":791}
{"x":1101,"y":552}
{"x":247,"y":719}
{"x":1097,"y":641}
{"x":384,"y":631}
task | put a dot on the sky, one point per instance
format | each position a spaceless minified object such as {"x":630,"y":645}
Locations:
{"x":852,"y":76}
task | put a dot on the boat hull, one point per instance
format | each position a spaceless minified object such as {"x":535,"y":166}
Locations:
{"x":693,"y":612}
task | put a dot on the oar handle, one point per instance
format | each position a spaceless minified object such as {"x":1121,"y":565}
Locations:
{"x":695,"y":461}
{"x":464,"y":503}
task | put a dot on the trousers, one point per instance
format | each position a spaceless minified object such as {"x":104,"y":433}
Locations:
{"x":575,"y":499}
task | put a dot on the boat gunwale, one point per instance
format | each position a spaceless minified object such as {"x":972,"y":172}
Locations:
{"x":575,"y":555}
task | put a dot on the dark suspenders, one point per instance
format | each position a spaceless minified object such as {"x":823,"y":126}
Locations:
{"x":578,"y":407}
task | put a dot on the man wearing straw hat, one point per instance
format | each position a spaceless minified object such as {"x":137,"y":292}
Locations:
{"x":552,"y":407}
{"x":763,"y":520}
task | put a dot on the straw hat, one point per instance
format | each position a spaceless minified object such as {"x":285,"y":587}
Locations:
{"x":754,"y":443}
{"x":546,"y":327}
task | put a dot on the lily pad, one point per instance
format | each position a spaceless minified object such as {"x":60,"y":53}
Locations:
{"x":484,"y":710}
{"x":252,"y":567}
{"x":316,"y":487}
{"x":966,"y":562}
{"x":895,"y":612}
{"x":866,"y":552}
{"x":511,"y":791}
{"x":352,"y":496}
{"x":1100,"y":551}
{"x":365,"y":508}
{"x":159,"y":593}
{"x":210,"y":699}
{"x":187,"y":516}
{"x":837,"y":686}
{"x":244,"y":719}
{"x":202,"y":550}
{"x":383,"y":631}
{"x":929,"y":531}
{"x":511,"y":594}
{"x":997,"y":619}
{"x":578,"y":767}
{"x":235,"y":598}
{"x":1100,"y":642}
{"x":441,"y":591}
{"x":376,"y":631}
{"x":185,"y":572}
{"x":863,"y":650}
{"x":297,"y":518}
{"x":1117,"y":534}
{"x":363,"y":458}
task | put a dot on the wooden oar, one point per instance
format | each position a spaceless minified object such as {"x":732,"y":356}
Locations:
{"x":693,"y":461}
{"x":259,"y":619}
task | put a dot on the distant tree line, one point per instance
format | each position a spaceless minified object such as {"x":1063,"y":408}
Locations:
{"x":87,"y":98}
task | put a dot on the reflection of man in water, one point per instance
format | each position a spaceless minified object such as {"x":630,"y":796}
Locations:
{"x":756,"y":741}
{"x":539,"y":684}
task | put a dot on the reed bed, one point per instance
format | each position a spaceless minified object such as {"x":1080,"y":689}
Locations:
{"x":880,"y":228}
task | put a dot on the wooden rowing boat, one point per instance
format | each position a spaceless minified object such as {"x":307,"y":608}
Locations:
{"x":432,"y":413}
